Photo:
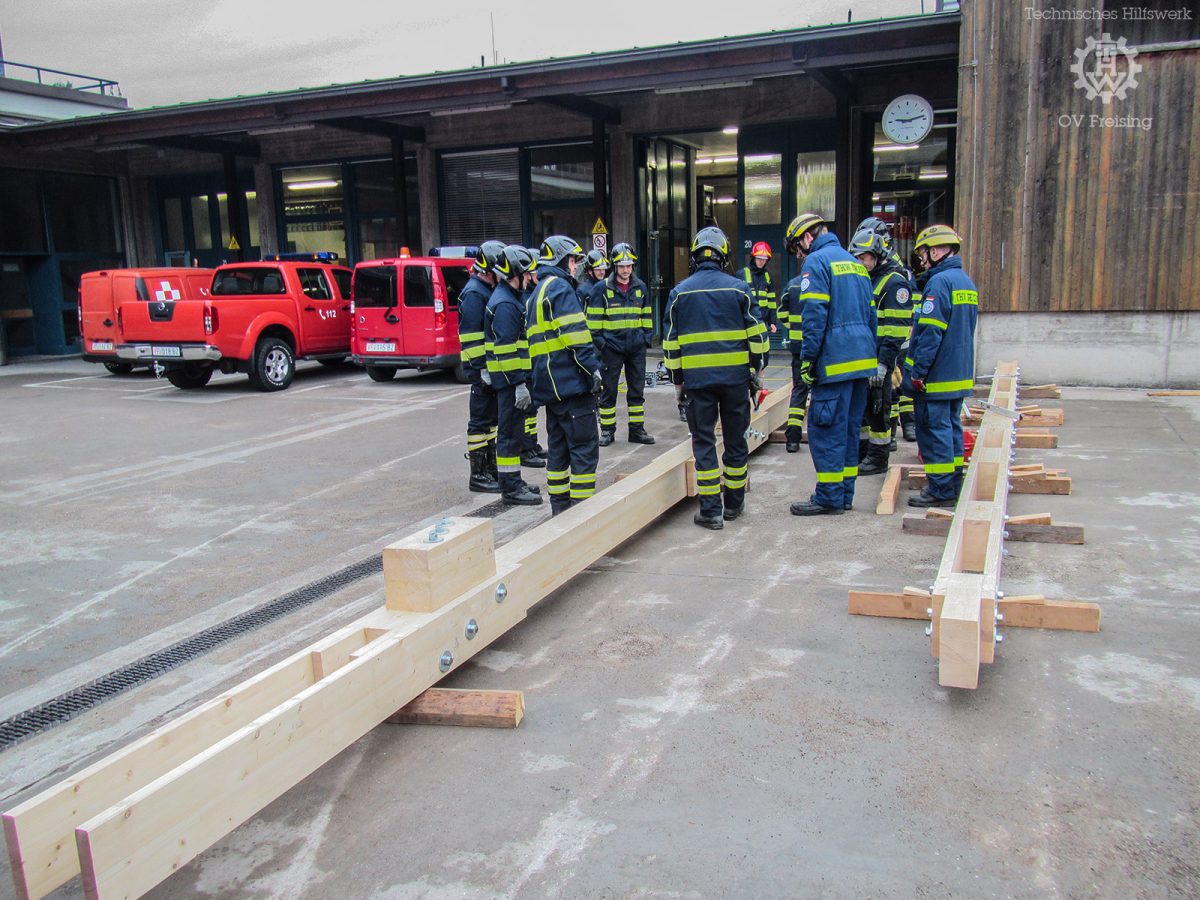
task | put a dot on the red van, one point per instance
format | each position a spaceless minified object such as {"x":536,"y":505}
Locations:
{"x":404,"y":314}
{"x":102,"y":293}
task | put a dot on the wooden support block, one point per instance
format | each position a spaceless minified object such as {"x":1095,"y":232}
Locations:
{"x":890,"y":492}
{"x":420,"y":575}
{"x":889,"y":605}
{"x":1173,"y":393}
{"x":958,"y":632}
{"x":778,"y":436}
{"x":934,"y":513}
{"x":1029,"y":469}
{"x":1048,"y":484}
{"x":1040,"y":392}
{"x":1051,"y":418}
{"x":1032,"y":519}
{"x":1036,"y":441}
{"x":1038,"y":612}
{"x":450,"y":706}
{"x":689,"y":475}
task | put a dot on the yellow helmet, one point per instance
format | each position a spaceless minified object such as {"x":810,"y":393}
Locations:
{"x":799,"y":226}
{"x":937,"y":236}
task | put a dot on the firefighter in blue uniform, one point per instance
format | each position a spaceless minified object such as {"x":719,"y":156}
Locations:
{"x":837,"y":357}
{"x":713,"y":344}
{"x":481,"y":424}
{"x":620,"y":313}
{"x":595,"y":270}
{"x":941,"y":363}
{"x":565,"y":370}
{"x":893,"y":310}
{"x":533,"y":454}
{"x":762,"y":291}
{"x":507,"y":353}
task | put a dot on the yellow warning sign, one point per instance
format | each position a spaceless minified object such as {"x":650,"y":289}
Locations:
{"x":599,"y":228}
{"x":233,"y":243}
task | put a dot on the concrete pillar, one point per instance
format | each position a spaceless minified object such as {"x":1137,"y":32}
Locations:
{"x":427,"y":190}
{"x":268,"y":229}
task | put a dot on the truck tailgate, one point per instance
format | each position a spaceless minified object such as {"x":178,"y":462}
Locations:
{"x":169,"y":321}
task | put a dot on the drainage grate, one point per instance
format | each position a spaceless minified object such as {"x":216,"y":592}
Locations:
{"x":66,"y":706}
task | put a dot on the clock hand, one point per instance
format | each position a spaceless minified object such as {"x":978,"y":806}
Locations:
{"x":919,"y":118}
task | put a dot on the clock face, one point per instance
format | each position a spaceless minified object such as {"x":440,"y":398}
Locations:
{"x":907,"y":119}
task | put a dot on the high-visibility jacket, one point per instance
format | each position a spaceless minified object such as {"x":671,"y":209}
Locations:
{"x":711,"y":335}
{"x":839,"y":318}
{"x":472,"y":301}
{"x":561,"y":356}
{"x":621,"y":320}
{"x":942,"y":348}
{"x":893,"y":294}
{"x":762,"y":291}
{"x":506,"y":348}
{"x":791,"y":315}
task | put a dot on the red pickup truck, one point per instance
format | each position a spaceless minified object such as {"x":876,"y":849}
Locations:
{"x":101,"y":293}
{"x":258,"y":318}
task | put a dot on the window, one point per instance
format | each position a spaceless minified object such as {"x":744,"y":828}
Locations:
{"x":21,"y":224}
{"x":343,"y":279}
{"x":418,"y":286}
{"x":1150,"y":23}
{"x":816,"y":179}
{"x":374,"y":286}
{"x":249,"y":280}
{"x":482,"y":197}
{"x":313,"y":284}
{"x":561,"y":173}
{"x":763,"y":185}
{"x":456,"y":278}
{"x":83,"y":213}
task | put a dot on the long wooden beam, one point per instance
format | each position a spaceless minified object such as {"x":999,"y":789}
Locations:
{"x":144,"y":811}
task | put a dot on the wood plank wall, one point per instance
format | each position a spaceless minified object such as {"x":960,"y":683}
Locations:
{"x":1061,"y":219}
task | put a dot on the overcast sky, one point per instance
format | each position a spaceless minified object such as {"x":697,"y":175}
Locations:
{"x":169,"y":51}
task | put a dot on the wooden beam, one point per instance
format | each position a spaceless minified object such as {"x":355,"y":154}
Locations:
{"x":958,"y":627}
{"x":450,"y":706}
{"x":141,"y":813}
{"x":1036,"y":440}
{"x":425,"y":571}
{"x":1038,"y":533}
{"x":1043,"y":484}
{"x":1018,"y":612}
{"x":1173,"y":393}
{"x":890,"y":492}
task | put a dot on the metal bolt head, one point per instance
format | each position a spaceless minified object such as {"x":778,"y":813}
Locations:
{"x":999,"y":595}
{"x":472,"y":629}
{"x":434,"y":537}
{"x":446,"y":661}
{"x":928,"y":631}
{"x":999,"y":637}
{"x":501,"y":592}
{"x":999,"y":617}
{"x":1004,"y":534}
{"x":929,"y":612}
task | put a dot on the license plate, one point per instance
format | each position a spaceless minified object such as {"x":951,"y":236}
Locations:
{"x":167,"y":351}
{"x":380,"y":347}
{"x":102,"y":345}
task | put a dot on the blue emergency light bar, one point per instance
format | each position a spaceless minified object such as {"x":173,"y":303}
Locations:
{"x":460,"y":252}
{"x":322,"y":256}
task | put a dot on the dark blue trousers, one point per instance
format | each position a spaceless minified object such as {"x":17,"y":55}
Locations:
{"x":834,"y":416}
{"x":940,"y":440}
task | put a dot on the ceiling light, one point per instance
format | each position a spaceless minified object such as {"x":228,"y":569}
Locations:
{"x":312,"y":185}
{"x":463,"y":110}
{"x":716,"y":160}
{"x":725,"y":201}
{"x":895,"y":148}
{"x":729,"y":129}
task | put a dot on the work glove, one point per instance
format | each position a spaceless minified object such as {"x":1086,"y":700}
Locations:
{"x":522,"y":400}
{"x":486,"y":377}
{"x":756,"y":384}
{"x":679,"y":394}
{"x":876,"y":381}
{"x":597,"y":383}
{"x":806,"y":373}
{"x":919,"y":385}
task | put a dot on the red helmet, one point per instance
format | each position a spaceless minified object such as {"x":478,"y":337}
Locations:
{"x":762,"y":248}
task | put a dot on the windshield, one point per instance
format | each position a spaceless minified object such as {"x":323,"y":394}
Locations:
{"x":256,"y":280}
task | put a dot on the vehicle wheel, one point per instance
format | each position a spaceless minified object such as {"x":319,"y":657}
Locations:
{"x":119,"y":368}
{"x":190,"y":377}
{"x":274,"y":365}
{"x":381,"y":373}
{"x":336,"y":363}
{"x":460,"y":374}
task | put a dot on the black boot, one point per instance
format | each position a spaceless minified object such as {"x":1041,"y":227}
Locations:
{"x":910,"y":431}
{"x":482,"y":481}
{"x":876,"y":460}
{"x":892,"y":445}
{"x":924,"y":500}
{"x":808,"y":508}
{"x":492,"y":470}
{"x":714,"y":523}
{"x":638,"y":435}
{"x":532,"y":460}
{"x":522,"y":496}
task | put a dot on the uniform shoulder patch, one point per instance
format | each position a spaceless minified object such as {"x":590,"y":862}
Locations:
{"x":804,"y":283}
{"x":902,"y":295}
{"x":927,"y":308}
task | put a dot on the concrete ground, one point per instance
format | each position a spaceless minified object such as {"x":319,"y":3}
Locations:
{"x":703,"y":717}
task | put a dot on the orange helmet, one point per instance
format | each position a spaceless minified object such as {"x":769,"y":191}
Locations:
{"x":762,"y":248}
